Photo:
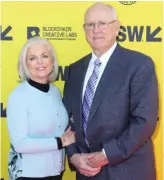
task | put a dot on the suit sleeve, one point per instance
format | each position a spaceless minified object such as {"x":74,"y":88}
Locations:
{"x":17,"y":121}
{"x":71,"y":149}
{"x":142,"y":117}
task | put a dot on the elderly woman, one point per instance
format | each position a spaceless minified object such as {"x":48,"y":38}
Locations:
{"x":36,"y":117}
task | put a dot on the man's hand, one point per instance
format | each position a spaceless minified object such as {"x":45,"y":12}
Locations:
{"x":80,"y":162}
{"x":98,"y":159}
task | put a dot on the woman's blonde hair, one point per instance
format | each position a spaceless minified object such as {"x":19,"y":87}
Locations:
{"x":22,"y":65}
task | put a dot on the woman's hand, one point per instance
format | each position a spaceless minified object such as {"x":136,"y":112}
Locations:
{"x":68,"y":137}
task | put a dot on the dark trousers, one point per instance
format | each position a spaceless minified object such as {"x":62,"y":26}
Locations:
{"x":44,"y":178}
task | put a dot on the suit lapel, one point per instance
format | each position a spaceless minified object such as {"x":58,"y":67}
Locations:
{"x":106,"y":81}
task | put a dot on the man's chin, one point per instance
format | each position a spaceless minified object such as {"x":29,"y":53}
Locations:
{"x":99,"y":48}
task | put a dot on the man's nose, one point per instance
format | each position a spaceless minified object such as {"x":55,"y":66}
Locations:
{"x":96,"y":28}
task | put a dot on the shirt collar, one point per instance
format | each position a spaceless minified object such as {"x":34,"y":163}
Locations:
{"x":105,"y":57}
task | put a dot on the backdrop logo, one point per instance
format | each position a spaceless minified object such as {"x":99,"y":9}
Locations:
{"x":127,"y":2}
{"x":4,"y":34}
{"x":52,"y":32}
{"x":3,"y":111}
{"x":32,"y":31}
{"x":139,"y":34}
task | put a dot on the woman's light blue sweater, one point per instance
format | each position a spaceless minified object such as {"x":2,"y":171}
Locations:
{"x":34,"y":118}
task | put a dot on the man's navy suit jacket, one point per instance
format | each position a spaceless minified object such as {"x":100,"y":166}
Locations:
{"x":122,"y":117}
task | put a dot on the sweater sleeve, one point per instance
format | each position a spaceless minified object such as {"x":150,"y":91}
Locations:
{"x":17,"y":122}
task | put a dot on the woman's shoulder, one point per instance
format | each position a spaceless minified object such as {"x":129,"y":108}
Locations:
{"x":17,"y":93}
{"x":55,"y":89}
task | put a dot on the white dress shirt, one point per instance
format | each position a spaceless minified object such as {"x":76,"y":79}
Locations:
{"x":104,"y":60}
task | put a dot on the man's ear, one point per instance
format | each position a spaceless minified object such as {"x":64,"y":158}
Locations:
{"x":118,"y":24}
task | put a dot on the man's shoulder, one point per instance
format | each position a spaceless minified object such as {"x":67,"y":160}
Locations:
{"x":135,"y":56}
{"x":80,"y":61}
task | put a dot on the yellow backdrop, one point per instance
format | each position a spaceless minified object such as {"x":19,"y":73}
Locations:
{"x":61,"y":23}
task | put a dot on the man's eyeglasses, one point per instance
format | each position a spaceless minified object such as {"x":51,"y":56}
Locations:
{"x":100,"y":24}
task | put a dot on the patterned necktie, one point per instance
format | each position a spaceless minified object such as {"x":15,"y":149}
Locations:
{"x":89,"y":94}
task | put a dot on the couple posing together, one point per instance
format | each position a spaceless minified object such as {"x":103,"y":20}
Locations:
{"x":105,"y":119}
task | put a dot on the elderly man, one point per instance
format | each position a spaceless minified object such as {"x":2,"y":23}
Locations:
{"x":112,"y":98}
